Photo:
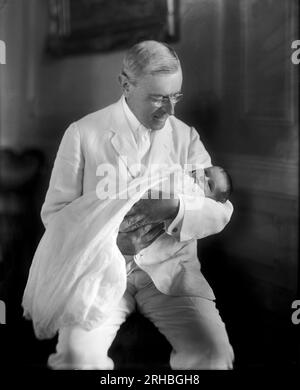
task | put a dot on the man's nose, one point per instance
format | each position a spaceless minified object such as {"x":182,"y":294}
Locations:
{"x":169,"y":107}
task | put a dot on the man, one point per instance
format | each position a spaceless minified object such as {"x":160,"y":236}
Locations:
{"x":158,"y":237}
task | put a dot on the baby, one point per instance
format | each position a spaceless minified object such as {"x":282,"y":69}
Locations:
{"x":215,"y":181}
{"x":212,"y":182}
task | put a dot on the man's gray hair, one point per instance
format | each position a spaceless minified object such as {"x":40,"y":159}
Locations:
{"x":149,"y":57}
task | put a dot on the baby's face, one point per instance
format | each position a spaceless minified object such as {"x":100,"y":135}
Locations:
{"x":214,"y":182}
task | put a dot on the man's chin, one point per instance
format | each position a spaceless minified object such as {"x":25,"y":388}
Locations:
{"x":158,"y":124}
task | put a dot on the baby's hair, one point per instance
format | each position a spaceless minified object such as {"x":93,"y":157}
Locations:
{"x":229,"y":190}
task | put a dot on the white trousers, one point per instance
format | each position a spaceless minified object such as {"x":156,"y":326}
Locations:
{"x":192,"y":325}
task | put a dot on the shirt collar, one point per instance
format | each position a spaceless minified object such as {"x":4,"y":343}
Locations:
{"x":134,"y":123}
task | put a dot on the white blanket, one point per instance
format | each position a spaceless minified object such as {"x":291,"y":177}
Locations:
{"x":78,"y":272}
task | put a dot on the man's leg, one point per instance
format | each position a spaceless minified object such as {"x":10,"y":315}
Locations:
{"x":192,"y":325}
{"x":87,"y":350}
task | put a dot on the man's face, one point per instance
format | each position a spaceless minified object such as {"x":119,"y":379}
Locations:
{"x":143,"y":98}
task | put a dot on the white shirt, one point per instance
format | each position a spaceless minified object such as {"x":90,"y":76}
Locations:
{"x":141,"y":134}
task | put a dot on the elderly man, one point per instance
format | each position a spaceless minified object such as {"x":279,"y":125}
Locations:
{"x":158,"y":237}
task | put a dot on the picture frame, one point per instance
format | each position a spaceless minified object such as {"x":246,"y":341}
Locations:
{"x":91,"y":26}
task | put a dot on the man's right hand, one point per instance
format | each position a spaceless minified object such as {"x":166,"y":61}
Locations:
{"x":131,"y":243}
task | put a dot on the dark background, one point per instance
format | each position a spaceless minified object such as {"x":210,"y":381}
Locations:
{"x":241,"y":94}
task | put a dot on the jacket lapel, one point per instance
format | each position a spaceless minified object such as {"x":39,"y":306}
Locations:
{"x":123,"y":140}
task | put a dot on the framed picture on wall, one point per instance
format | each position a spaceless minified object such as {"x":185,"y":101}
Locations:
{"x":90,"y":26}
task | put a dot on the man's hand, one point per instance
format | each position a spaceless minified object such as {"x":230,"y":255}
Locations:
{"x":133,"y":242}
{"x":149,"y":211}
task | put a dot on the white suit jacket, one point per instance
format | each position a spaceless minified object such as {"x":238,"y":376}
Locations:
{"x":104,"y":137}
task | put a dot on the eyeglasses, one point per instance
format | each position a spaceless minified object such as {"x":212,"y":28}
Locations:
{"x":158,"y":101}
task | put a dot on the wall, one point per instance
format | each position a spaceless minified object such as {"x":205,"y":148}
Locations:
{"x":256,"y":139}
{"x":12,"y":73}
{"x":50,"y":93}
{"x":42,"y":95}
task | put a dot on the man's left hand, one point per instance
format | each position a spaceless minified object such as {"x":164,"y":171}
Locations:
{"x":148,"y":211}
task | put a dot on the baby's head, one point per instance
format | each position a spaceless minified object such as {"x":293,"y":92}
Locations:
{"x":217,"y":184}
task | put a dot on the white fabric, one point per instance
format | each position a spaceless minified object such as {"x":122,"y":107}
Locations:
{"x":78,"y":272}
{"x":143,"y":142}
{"x":141,"y":134}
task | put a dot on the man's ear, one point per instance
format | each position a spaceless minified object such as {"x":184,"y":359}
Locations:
{"x":125,"y":84}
